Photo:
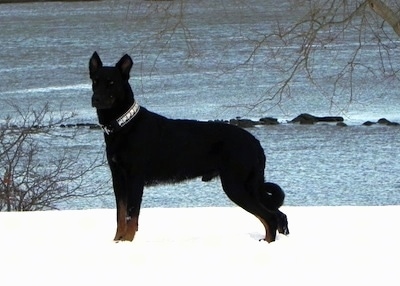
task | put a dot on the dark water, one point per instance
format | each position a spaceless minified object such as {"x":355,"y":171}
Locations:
{"x":194,"y":69}
{"x":315,"y":165}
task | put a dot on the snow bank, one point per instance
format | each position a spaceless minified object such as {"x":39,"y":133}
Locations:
{"x":202,"y":246}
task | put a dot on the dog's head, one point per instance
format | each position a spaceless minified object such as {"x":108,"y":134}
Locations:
{"x":110,"y":84}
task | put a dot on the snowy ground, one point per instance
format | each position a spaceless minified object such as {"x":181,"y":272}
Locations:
{"x":202,"y":246}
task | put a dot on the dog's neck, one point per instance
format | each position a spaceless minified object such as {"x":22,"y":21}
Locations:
{"x":111,"y":120}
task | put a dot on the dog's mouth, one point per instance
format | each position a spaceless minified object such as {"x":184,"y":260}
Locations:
{"x":101,"y":104}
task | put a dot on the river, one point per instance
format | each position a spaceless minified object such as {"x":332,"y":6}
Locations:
{"x":195,"y":67}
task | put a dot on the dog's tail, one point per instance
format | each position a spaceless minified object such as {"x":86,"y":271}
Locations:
{"x":271,"y":196}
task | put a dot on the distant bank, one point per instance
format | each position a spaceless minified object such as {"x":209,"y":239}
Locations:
{"x":32,"y":1}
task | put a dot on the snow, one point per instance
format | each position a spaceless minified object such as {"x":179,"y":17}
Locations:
{"x":201,"y":246}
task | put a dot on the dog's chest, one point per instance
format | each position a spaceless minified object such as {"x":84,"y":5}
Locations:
{"x":123,"y":150}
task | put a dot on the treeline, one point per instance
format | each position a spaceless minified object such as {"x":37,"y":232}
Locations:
{"x":32,"y":1}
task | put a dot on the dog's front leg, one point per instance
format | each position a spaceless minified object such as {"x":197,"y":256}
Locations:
{"x":127,"y":222}
{"x":119,"y":178}
{"x":128,"y":195}
{"x":134,"y":200}
{"x":122,"y":225}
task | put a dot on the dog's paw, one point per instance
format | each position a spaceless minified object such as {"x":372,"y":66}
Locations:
{"x":283,"y":227}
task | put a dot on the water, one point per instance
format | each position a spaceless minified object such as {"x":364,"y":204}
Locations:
{"x":197,"y":71}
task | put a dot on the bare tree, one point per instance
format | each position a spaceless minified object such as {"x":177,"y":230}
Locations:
{"x":32,"y":177}
{"x":319,"y":33}
{"x":352,"y":37}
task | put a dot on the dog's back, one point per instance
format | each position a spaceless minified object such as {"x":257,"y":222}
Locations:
{"x":167,"y":150}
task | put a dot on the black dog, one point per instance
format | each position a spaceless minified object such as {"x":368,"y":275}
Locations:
{"x":144,"y":148}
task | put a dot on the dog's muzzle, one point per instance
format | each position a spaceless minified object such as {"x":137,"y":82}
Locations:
{"x":100,"y":102}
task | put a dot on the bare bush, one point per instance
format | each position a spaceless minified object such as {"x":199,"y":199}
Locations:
{"x":32,"y":176}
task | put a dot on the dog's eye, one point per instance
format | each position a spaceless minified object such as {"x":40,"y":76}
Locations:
{"x":94,"y":81}
{"x":111,"y":82}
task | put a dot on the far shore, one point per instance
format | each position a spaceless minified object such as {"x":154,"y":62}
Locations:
{"x":33,"y":1}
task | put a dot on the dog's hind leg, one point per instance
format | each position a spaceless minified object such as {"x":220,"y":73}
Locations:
{"x":271,"y":196}
{"x":270,"y":224}
{"x":282,"y":222}
{"x":244,"y":198}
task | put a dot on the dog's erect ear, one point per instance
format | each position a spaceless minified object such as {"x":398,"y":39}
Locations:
{"x":94,"y":63}
{"x":124,"y":65}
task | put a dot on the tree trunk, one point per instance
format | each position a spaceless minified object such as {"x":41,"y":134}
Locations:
{"x":387,"y":14}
